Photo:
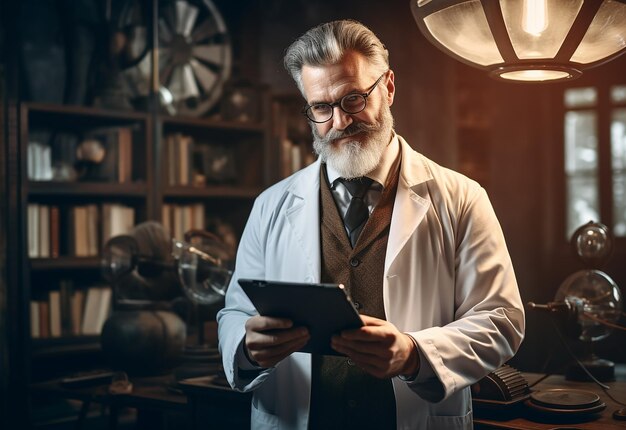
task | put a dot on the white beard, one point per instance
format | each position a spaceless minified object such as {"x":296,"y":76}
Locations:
{"x":354,"y":159}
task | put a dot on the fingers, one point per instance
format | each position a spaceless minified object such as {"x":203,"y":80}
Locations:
{"x":269,"y":340}
{"x":270,"y":356}
{"x":379,"y":347}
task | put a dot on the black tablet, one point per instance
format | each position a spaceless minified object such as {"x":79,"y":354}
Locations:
{"x":325,"y":309}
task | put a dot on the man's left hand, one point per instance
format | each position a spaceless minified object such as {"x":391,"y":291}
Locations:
{"x":379,"y":348}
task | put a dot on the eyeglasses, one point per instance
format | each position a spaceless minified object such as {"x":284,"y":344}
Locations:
{"x":350,"y":103}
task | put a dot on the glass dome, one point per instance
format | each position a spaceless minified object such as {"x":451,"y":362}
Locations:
{"x":204,"y":268}
{"x":596,"y":299}
{"x":593,"y":243}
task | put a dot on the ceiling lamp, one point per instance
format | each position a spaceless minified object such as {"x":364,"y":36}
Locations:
{"x":526,"y":40}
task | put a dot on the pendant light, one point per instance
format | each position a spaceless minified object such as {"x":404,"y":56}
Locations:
{"x":526,"y":40}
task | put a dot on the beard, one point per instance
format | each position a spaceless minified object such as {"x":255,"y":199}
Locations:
{"x":354,"y":159}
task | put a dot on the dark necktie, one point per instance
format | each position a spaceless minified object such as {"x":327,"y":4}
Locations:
{"x":357,"y":212}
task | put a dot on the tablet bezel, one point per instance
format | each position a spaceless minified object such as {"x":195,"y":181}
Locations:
{"x":325,"y":309}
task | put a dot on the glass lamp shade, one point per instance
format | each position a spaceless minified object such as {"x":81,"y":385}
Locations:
{"x":592,"y":243}
{"x":525,"y":40}
{"x":204,"y":268}
{"x":596,"y":299}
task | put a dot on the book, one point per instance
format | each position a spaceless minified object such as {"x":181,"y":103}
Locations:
{"x":93,"y":242}
{"x":54,"y":298}
{"x":97,"y":309}
{"x":117,"y":219}
{"x":39,"y":165}
{"x":77,"y":307}
{"x":34,"y":320}
{"x":166,"y":218}
{"x":125,"y":155}
{"x":33,"y":230}
{"x":80,"y":232}
{"x":44,"y":231}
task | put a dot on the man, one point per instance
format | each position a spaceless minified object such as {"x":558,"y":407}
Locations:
{"x":426,"y":265}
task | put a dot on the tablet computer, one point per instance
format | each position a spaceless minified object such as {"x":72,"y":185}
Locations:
{"x":325,"y":309}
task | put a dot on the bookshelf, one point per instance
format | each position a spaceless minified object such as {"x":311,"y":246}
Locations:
{"x":227,"y":163}
{"x":54,"y":277}
{"x":65,"y":203}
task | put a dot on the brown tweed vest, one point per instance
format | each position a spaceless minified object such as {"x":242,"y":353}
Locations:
{"x":344,"y":396}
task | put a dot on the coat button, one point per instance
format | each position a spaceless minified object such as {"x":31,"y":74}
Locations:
{"x":357,"y":305}
{"x":354,"y":262}
{"x":350,"y":362}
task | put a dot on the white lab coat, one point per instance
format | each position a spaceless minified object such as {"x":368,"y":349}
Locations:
{"x":448,"y":282}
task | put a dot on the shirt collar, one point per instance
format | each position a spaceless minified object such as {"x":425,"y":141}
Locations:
{"x":380,"y":173}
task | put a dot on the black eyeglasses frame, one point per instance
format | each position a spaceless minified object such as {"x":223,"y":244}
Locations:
{"x":339,"y":102}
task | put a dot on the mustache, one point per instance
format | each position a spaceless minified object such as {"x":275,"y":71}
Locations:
{"x":351,"y":130}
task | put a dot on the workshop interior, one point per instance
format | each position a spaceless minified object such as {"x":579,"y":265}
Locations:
{"x":137,"y":134}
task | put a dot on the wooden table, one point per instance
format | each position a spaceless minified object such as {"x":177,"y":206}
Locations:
{"x":524,"y":417}
{"x":196,"y":403}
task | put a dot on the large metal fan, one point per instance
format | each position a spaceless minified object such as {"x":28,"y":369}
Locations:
{"x":195,"y":58}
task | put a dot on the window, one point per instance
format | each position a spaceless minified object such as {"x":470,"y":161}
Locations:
{"x":595,"y":130}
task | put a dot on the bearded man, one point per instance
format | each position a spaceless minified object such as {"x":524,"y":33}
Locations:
{"x":417,"y":246}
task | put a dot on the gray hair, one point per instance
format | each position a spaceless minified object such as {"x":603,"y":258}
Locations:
{"x":327,"y":44}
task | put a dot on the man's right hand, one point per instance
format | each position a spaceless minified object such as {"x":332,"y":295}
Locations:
{"x":269,"y":340}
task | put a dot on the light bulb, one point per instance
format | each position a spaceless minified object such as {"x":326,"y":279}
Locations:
{"x":535,"y":16}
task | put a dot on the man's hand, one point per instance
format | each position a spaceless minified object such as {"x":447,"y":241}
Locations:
{"x":379,"y":348}
{"x":269,"y":340}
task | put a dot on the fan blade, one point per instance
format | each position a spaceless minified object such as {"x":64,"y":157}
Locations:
{"x":204,"y":31}
{"x":186,"y":15}
{"x":165,"y":35}
{"x":189,"y":82}
{"x":209,"y":53}
{"x":174,"y":84}
{"x":183,"y":84}
{"x":205,"y":76}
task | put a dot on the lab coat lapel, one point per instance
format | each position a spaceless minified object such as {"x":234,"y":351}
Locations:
{"x":303,"y":218}
{"x":409,"y":207}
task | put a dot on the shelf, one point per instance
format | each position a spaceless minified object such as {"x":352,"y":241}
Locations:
{"x":73,"y":189}
{"x":207,"y":123}
{"x":218,"y":191}
{"x":65,"y":263}
{"x":59,"y":346}
{"x":50,"y":109}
